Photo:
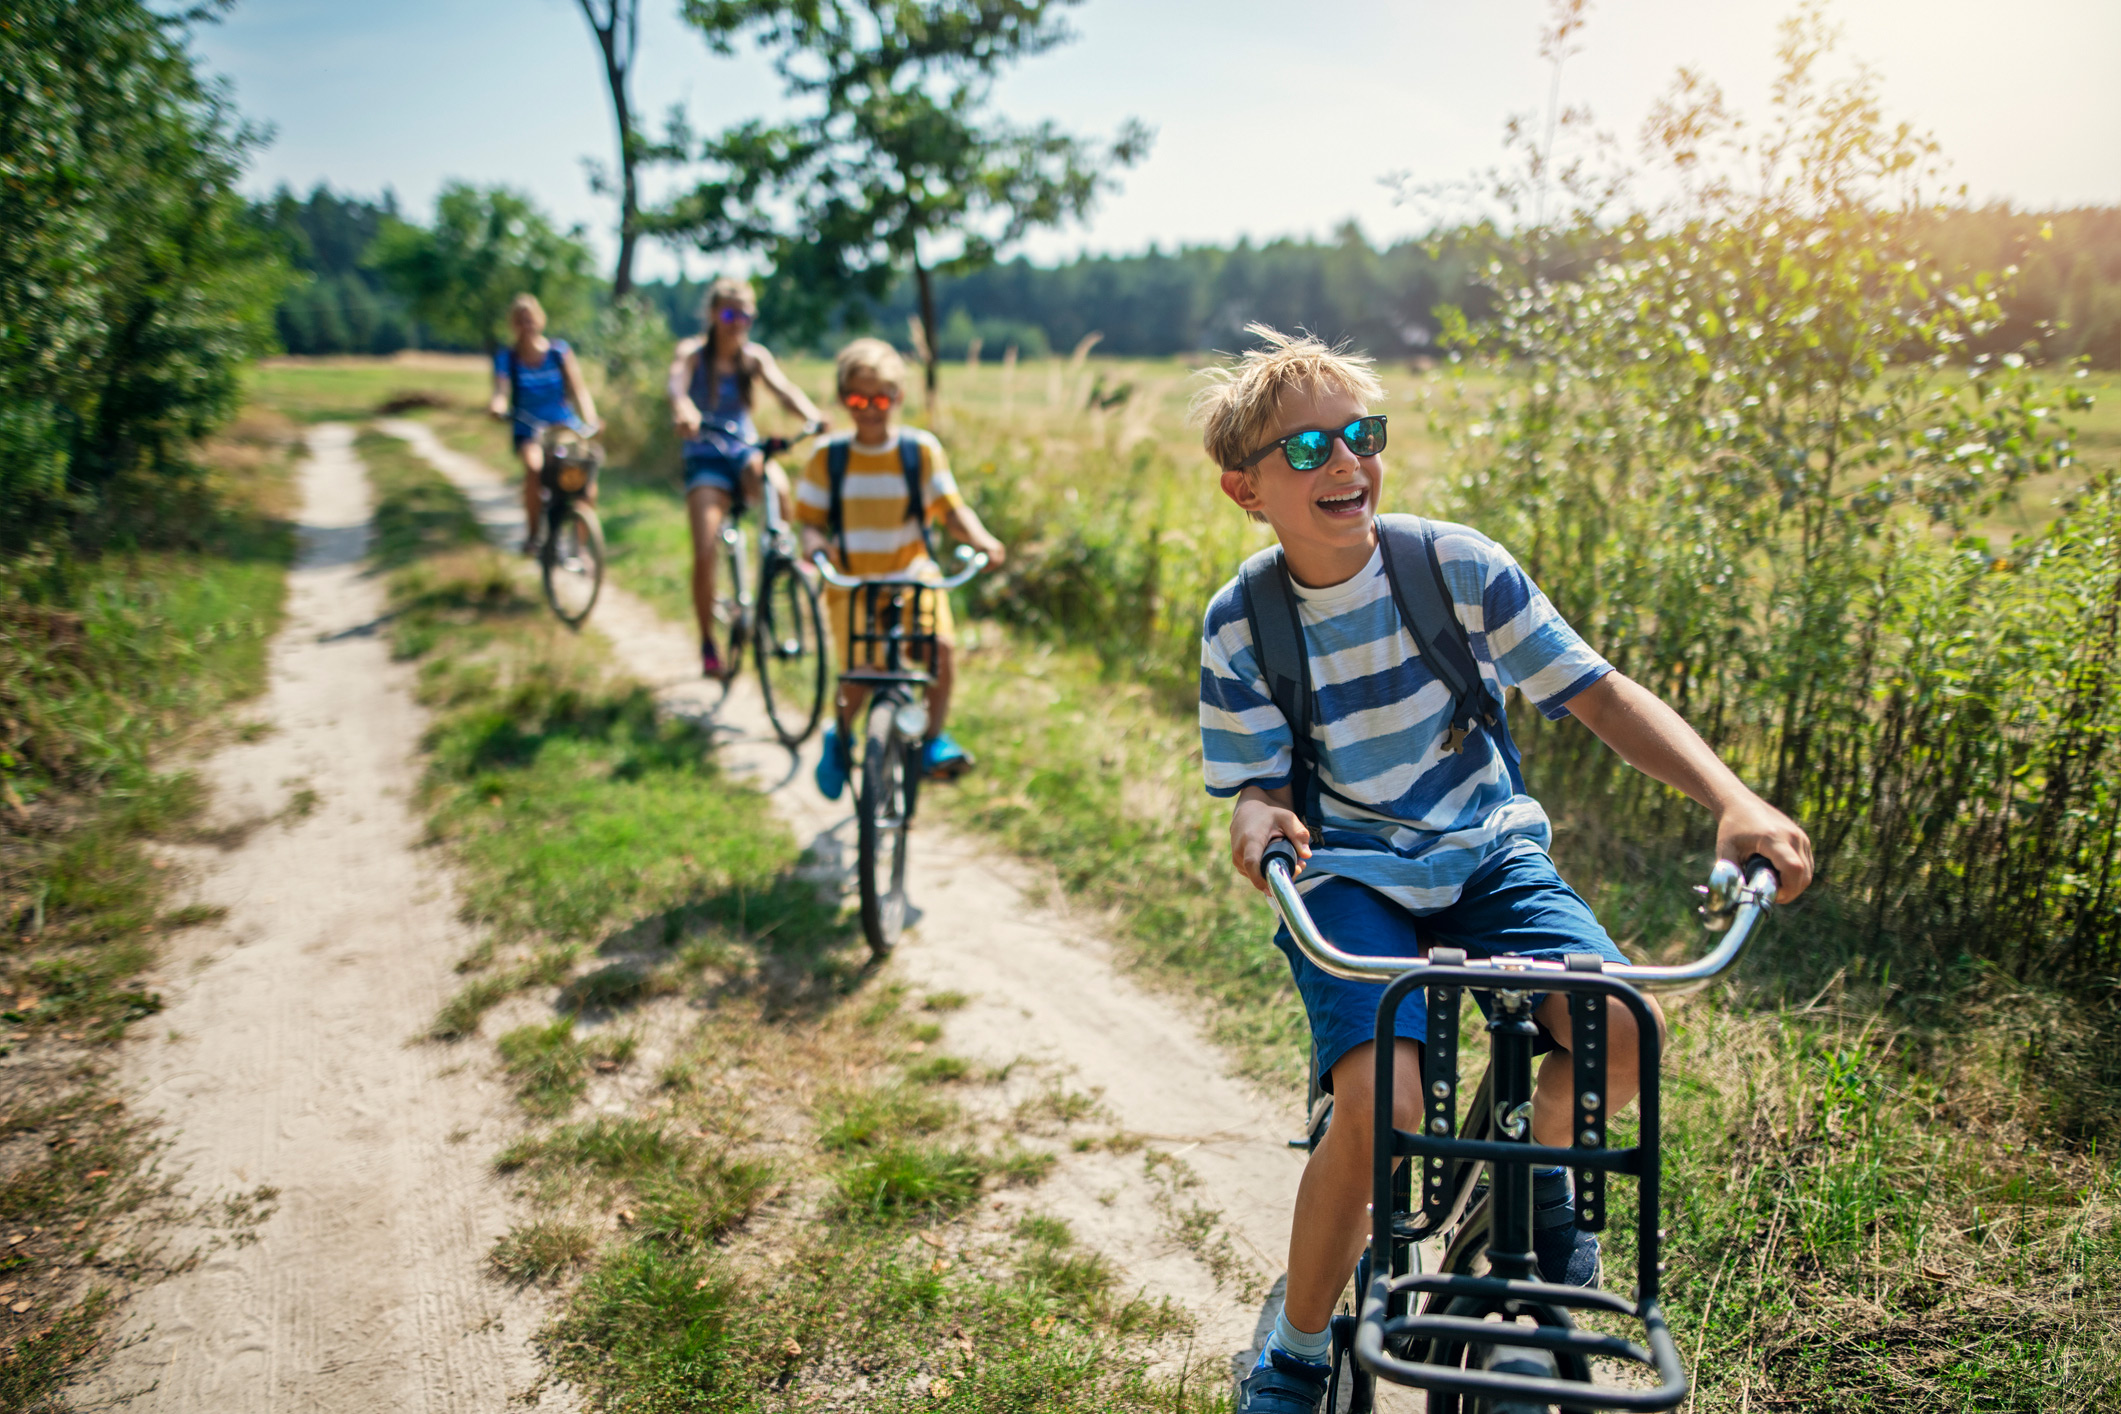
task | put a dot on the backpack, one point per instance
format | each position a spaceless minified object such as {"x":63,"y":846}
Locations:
{"x":837,"y":453}
{"x":1430,"y":614}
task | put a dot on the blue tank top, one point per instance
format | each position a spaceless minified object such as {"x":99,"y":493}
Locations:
{"x":726,"y":428}
{"x":541,"y":392}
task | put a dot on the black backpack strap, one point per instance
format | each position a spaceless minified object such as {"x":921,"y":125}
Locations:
{"x":837,"y":452}
{"x":1278,"y":642}
{"x":515,"y":381}
{"x":1430,"y":611}
{"x":909,"y":460}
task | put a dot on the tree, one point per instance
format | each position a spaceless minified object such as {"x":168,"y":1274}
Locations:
{"x":617,"y":27}
{"x":899,"y":153}
{"x":485,"y":247}
{"x":133,"y":288}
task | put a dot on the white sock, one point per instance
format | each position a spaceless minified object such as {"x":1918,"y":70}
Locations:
{"x":1302,"y":1344}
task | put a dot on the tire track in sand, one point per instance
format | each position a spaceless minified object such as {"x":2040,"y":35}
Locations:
{"x":286,"y":1055}
{"x":1045,"y":987}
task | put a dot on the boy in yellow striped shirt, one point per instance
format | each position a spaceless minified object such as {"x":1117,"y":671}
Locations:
{"x":879,"y":535}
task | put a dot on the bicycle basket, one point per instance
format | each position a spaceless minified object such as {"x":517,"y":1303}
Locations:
{"x":571,"y":462}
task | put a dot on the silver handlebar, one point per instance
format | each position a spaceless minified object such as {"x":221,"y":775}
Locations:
{"x":973,"y":560}
{"x":1732,"y":903}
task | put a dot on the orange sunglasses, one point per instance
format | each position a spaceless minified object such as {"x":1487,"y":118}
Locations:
{"x":862,"y":402}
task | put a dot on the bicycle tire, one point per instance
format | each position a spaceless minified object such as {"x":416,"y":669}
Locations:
{"x":790,"y":646}
{"x":571,"y":563}
{"x":883,"y":813}
{"x":729,"y":617}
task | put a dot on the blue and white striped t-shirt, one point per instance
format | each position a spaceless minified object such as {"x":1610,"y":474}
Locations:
{"x":1424,"y":819}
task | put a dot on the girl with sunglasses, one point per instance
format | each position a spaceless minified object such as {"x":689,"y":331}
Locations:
{"x":712,"y":379}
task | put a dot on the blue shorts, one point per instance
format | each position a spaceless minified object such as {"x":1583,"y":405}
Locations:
{"x":705,"y":466}
{"x":1515,"y":904}
{"x":528,"y":432}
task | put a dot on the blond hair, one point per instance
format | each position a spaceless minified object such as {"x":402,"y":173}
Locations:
{"x":872,"y":356}
{"x":1237,"y":408}
{"x":527,"y":301}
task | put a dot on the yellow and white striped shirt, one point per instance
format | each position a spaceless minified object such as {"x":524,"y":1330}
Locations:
{"x":881,"y":537}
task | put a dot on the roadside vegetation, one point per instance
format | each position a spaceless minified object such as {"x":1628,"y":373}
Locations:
{"x":141,"y":573}
{"x":754,"y":1183}
{"x":115,"y":669}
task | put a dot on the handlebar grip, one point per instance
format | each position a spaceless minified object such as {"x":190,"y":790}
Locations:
{"x":1752,"y":867}
{"x":1281,"y":849}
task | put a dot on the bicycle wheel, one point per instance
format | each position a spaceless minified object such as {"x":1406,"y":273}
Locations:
{"x":882,"y":811}
{"x":730,"y":619}
{"x":572,"y":561}
{"x":791,"y":650}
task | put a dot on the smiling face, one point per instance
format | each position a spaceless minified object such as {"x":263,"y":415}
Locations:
{"x":526,"y":322}
{"x":872,"y":424}
{"x":1323,"y":518}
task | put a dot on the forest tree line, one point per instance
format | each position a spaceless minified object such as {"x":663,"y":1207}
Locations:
{"x":2066,"y":295}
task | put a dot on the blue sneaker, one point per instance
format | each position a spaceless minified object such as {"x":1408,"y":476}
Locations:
{"x":1568,"y":1256}
{"x":1282,"y":1384}
{"x":943,"y":759}
{"x":833,"y":766}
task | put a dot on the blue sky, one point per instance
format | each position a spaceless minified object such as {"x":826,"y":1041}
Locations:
{"x":1272,"y":118}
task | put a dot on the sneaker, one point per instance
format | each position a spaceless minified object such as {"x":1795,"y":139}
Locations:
{"x":710,"y":660}
{"x":1568,"y":1256}
{"x":943,"y":759}
{"x":1282,"y":1384}
{"x":833,"y":766}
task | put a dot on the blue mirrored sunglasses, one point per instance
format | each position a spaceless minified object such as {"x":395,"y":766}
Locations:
{"x":1308,"y":451}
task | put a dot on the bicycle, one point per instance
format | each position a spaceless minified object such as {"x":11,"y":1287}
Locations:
{"x":781,"y":621}
{"x":570,"y":546}
{"x":1502,"y":1341}
{"x":886,"y":644}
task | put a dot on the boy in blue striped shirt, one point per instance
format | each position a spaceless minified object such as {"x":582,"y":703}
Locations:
{"x":1426,"y":837}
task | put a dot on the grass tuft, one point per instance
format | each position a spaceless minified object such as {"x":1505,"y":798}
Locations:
{"x":542,"y":1251}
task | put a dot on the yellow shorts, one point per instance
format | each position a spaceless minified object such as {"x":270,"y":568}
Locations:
{"x":839,"y":605}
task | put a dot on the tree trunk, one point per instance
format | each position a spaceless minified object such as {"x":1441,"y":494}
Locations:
{"x":624,"y":13}
{"x":920,"y":275}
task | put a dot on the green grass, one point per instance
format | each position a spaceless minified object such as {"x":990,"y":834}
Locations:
{"x":542,"y":1251}
{"x":323,"y":389}
{"x":613,"y":868}
{"x":111,"y":667}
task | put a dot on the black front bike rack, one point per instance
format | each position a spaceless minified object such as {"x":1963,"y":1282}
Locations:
{"x":884,"y":633}
{"x":1391,"y":1340}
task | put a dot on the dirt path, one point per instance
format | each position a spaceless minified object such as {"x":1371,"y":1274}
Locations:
{"x":287,"y":1056}
{"x":1044,"y":988}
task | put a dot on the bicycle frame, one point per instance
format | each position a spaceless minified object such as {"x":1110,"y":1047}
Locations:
{"x":1736,"y":900}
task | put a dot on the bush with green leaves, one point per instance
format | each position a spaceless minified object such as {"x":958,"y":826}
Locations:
{"x":132,"y":289}
{"x":1744,"y":451}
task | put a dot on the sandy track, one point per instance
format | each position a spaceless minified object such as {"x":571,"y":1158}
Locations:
{"x":287,"y":1055}
{"x":1044,"y":987}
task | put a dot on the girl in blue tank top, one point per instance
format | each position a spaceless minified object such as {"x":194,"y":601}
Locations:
{"x":711,"y":383}
{"x":537,"y":380}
